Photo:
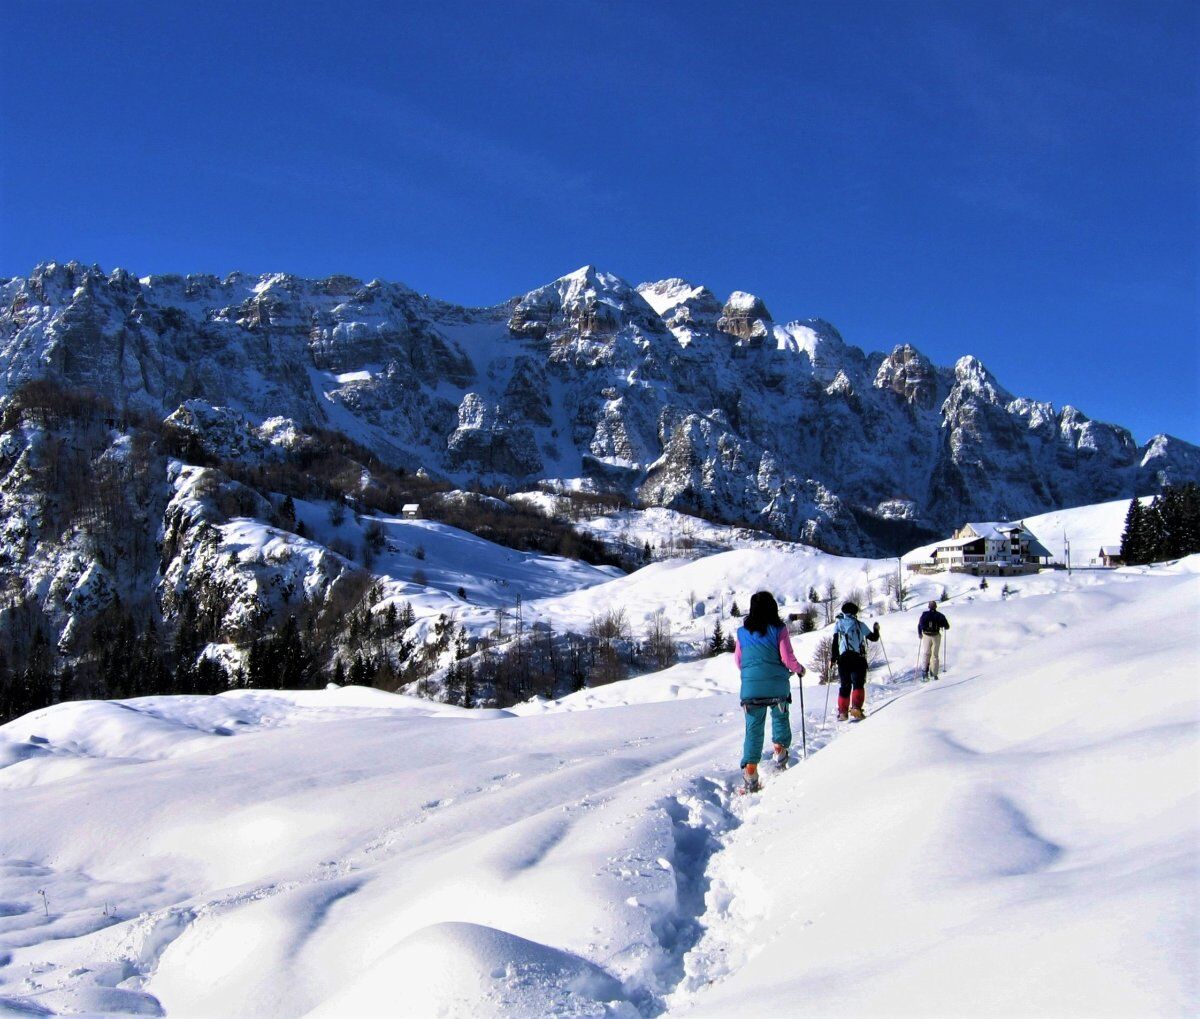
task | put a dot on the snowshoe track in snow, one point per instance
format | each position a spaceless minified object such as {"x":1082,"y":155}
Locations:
{"x":699,"y":817}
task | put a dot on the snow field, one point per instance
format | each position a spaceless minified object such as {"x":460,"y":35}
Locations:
{"x":1019,"y":838}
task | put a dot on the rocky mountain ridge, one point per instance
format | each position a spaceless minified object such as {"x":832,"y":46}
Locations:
{"x":660,"y":391}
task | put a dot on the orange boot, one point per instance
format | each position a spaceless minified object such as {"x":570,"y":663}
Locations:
{"x":750,"y":781}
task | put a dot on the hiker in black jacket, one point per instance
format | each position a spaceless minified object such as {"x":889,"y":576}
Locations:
{"x":929,"y":630}
{"x":849,"y":653}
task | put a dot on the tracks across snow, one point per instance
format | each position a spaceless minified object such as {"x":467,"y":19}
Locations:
{"x":706,"y":931}
{"x":699,"y":816}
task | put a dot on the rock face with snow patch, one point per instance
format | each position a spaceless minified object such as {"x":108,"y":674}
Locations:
{"x":662,"y":391}
{"x":744,"y":316}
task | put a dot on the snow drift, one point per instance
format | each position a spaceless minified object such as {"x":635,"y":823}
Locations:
{"x":1018,"y":838}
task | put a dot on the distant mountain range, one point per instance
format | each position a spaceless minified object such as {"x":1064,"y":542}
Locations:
{"x":660,"y":391}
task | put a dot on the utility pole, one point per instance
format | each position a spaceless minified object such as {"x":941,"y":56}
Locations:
{"x":520,"y":656}
{"x":1067,"y":546}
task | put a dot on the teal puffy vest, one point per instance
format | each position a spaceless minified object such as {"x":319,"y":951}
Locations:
{"x":763,"y":674}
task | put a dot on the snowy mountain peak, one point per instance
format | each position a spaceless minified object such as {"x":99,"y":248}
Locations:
{"x":660,"y":392}
{"x":687,"y":309}
{"x":280,"y":280}
{"x":588,"y":302}
{"x":587,"y":279}
{"x":911,"y":374}
{"x":744,"y":316}
{"x":971,"y":374}
{"x":739,"y":300}
{"x":664,"y":295}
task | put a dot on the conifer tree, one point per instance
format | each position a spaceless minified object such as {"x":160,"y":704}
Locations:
{"x":1189,"y":520}
{"x":292,"y":659}
{"x":454,"y":683}
{"x":361,"y":671}
{"x":468,"y":684}
{"x":209,"y":677}
{"x":407,"y":616}
{"x":257,"y":670}
{"x":717,"y":644}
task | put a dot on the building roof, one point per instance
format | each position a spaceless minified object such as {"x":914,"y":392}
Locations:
{"x":1037,"y":549}
{"x":995,"y":530}
{"x":1110,"y":550}
{"x":411,"y":507}
{"x":957,"y":542}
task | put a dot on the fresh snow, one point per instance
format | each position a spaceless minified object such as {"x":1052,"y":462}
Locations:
{"x":1018,"y":838}
{"x":666,"y":294}
{"x":1086,"y":528}
{"x":742,"y":301}
{"x":668,"y":531}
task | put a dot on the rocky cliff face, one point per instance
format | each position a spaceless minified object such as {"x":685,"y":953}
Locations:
{"x":662,"y":391}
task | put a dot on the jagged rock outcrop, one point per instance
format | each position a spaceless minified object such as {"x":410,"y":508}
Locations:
{"x":217,"y":432}
{"x":744,"y":316}
{"x":487,"y":441}
{"x":661,"y":390}
{"x":910,"y":374}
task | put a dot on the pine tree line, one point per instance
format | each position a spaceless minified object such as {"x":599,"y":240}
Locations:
{"x":1168,"y":528}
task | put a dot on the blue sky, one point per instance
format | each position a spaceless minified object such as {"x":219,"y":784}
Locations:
{"x":1017,"y":181}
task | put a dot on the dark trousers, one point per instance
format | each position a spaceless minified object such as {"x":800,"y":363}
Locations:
{"x":852,"y":674}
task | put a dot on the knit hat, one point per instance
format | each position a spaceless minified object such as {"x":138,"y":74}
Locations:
{"x":850,"y":609}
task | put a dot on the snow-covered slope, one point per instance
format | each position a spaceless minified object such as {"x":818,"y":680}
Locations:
{"x":660,"y":392}
{"x":1085,"y":529}
{"x":1019,"y":838}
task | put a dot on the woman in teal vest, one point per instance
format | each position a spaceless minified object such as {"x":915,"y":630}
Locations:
{"x":763,"y":652}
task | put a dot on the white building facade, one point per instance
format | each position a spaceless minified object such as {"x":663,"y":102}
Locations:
{"x":988,"y":548}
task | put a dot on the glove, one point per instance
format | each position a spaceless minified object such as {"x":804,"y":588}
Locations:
{"x":876,"y":629}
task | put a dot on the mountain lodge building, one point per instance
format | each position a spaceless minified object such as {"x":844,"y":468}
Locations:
{"x":988,"y":549}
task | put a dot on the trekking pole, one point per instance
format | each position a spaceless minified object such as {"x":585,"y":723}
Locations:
{"x":828,"y":684}
{"x":945,"y":650}
{"x":803,"y":728}
{"x":891,"y":678}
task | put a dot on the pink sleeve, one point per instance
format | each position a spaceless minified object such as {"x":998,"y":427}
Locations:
{"x":787,"y":655}
{"x":737,"y":652}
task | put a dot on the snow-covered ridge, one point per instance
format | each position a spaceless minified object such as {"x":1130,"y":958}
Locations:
{"x":659,"y":391}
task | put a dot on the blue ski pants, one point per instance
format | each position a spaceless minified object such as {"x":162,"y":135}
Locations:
{"x":756,"y":724}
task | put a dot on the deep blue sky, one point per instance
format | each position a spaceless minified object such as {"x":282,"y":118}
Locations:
{"x":1017,"y":181}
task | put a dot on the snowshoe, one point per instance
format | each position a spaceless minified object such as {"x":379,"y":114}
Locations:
{"x":751,"y":783}
{"x":843,"y":716}
{"x":857,"y":714}
{"x":780,"y":758}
